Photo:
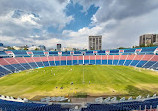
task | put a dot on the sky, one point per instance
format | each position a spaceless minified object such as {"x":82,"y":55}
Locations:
{"x":70,"y":22}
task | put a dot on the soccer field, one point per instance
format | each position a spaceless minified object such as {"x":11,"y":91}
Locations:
{"x":94,"y":80}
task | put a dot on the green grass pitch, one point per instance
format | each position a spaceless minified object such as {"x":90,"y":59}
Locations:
{"x":94,"y":80}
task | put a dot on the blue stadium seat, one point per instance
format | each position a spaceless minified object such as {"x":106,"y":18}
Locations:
{"x":69,"y":62}
{"x":134,"y":62}
{"x":39,"y":53}
{"x":127,"y":62}
{"x":148,"y":49}
{"x":66,"y":53}
{"x":114,"y":51}
{"x":101,"y":52}
{"x":123,"y":106}
{"x":63,"y":62}
{"x":104,"y":61}
{"x":89,"y":52}
{"x":121,"y":62}
{"x":77,"y":52}
{"x":54,"y":53}
{"x":57,"y":63}
{"x":4,"y":71}
{"x":75,"y":62}
{"x":80,"y":61}
{"x":129,"y":50}
{"x":2,"y":53}
{"x":98,"y":62}
{"x":45,"y":63}
{"x":148,"y":64}
{"x":40,"y":64}
{"x":26,"y":65}
{"x":115,"y":62}
{"x":92,"y":61}
{"x":33,"y":65}
{"x":141,"y":63}
{"x":17,"y":106}
{"x":155,"y":66}
{"x":18,"y":66}
{"x":10,"y":67}
{"x":52,"y":63}
{"x":86,"y":61}
{"x":20,"y":52}
{"x":110,"y":62}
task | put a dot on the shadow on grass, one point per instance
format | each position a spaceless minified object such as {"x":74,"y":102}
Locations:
{"x":134,"y":91}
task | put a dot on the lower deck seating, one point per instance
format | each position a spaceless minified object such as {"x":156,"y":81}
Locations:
{"x":17,"y":106}
{"x":124,"y":106}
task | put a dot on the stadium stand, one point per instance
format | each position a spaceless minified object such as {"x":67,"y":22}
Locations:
{"x":2,"y":53}
{"x":67,"y":53}
{"x":38,"y":53}
{"x":125,"y":106}
{"x":126,"y":51}
{"x":24,"y":60}
{"x":114,"y":51}
{"x":17,"y":106}
{"x":89,"y":52}
{"x":18,"y":53}
{"x":53,"y":53}
{"x":137,"y":57}
{"x":77,"y":52}
{"x":101,"y":52}
{"x":148,"y":49}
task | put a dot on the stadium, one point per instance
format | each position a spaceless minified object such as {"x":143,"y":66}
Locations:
{"x":93,"y":80}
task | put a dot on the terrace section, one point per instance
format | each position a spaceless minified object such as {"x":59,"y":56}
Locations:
{"x":53,"y":53}
{"x":38,"y":53}
{"x":19,"y":53}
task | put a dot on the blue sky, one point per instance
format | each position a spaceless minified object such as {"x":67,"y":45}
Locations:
{"x":81,"y":18}
{"x":70,"y":22}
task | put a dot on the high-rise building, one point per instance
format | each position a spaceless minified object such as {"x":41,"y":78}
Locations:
{"x":58,"y":47}
{"x":42,"y":47}
{"x":148,"y":39}
{"x":1,"y":44}
{"x":95,"y":42}
{"x":1,"y":47}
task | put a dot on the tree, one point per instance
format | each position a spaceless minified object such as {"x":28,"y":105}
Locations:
{"x":142,"y":45}
{"x":36,"y":49}
{"x":10,"y":48}
{"x":25,"y":48}
{"x":122,"y":48}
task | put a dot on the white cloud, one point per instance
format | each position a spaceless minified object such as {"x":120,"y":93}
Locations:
{"x":119,"y":22}
{"x":24,"y":20}
{"x":116,"y":33}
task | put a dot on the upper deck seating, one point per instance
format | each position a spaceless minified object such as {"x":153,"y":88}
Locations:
{"x":101,"y":52}
{"x":40,"y":53}
{"x":77,"y":52}
{"x":114,"y":51}
{"x":148,"y":49}
{"x":2,"y":53}
{"x":89,"y":52}
{"x":66,"y":53}
{"x":54,"y":53}
{"x":17,"y":106}
{"x":19,"y":52}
